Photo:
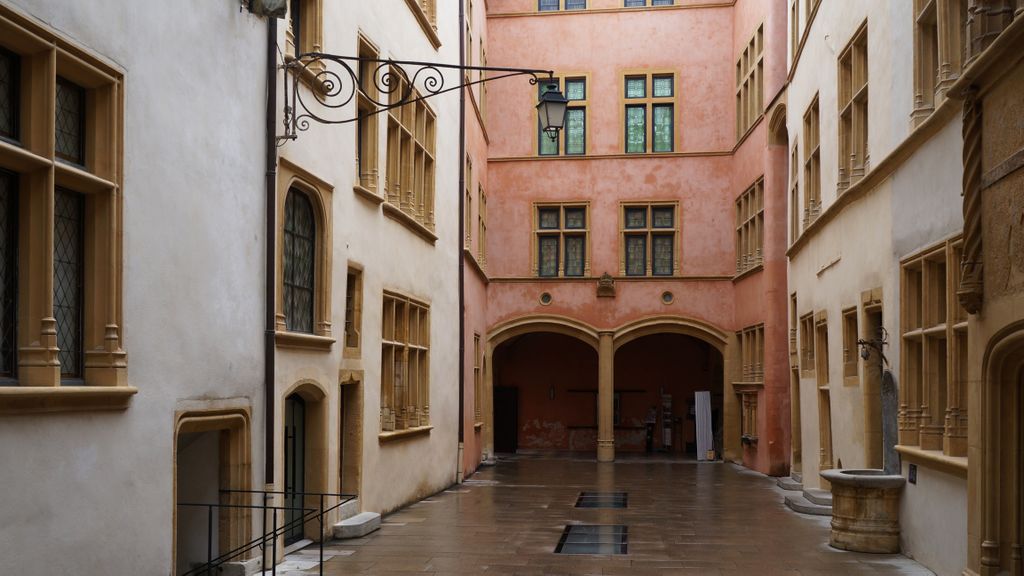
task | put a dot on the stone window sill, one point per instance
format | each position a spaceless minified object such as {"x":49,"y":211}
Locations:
{"x":303,"y":341}
{"x":935,"y":460}
{"x":43,"y":399}
{"x":407,"y":433}
{"x":367,"y":194}
{"x":424,"y":22}
{"x":396,"y":214}
{"x":748,"y":272}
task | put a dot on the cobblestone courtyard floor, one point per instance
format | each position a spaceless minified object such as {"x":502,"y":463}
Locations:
{"x":682,"y":517}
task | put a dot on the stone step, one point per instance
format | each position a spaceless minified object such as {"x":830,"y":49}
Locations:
{"x":798,"y":503}
{"x":787,"y":483}
{"x":349,"y":509}
{"x":797,"y":476}
{"x":357,"y":526}
{"x":819,"y":497}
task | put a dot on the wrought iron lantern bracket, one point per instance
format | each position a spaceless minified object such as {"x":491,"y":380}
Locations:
{"x":334,"y":82}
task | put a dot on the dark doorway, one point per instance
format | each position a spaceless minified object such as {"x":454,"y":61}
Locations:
{"x":294,"y":465}
{"x":506,"y":419}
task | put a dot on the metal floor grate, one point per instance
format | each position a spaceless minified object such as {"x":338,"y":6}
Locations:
{"x":593,"y":539}
{"x":602,"y":500}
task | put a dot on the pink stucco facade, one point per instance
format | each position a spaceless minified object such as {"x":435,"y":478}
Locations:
{"x":704,"y":175}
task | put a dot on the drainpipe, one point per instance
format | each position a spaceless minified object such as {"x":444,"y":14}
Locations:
{"x":459,"y":471}
{"x":271,"y":247}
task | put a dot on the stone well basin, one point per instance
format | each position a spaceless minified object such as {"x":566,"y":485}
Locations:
{"x":865,"y":510}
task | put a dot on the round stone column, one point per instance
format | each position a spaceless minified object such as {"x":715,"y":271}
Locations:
{"x":605,"y":398}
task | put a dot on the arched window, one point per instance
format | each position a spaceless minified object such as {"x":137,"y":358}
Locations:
{"x":299,"y":261}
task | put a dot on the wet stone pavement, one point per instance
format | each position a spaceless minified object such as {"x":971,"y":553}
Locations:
{"x":681,"y":518}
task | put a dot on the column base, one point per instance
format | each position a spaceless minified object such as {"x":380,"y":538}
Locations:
{"x":606,"y":450}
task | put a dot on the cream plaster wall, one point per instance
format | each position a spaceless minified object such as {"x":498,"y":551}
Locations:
{"x":933,"y":521}
{"x":860,"y":248}
{"x":392,"y":258}
{"x":80,"y":486}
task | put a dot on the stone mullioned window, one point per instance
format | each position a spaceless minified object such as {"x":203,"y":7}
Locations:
{"x":405,"y":364}
{"x":61,"y":216}
{"x":750,"y":228}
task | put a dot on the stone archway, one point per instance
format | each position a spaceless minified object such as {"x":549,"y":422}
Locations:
{"x":1000,"y":498}
{"x":517,"y":328}
{"x":715,"y":338}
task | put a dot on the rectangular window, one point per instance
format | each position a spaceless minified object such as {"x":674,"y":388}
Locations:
{"x":850,"y":348}
{"x":575,"y":4}
{"x":649,"y":233}
{"x":939,"y":46}
{"x":478,"y":388}
{"x":68,"y":279}
{"x":481,"y":239}
{"x":548,"y":5}
{"x":750,"y":227}
{"x":8,"y":274}
{"x":807,"y":345}
{"x":410,"y":165}
{"x":662,"y":2}
{"x":635,"y":3}
{"x":794,"y":31}
{"x":353,"y":308}
{"x":468,"y":208}
{"x":649,"y":113}
{"x":78,"y":229}
{"x":750,"y":83}
{"x":821,"y":369}
{"x":405,"y":364}
{"x":366,"y":127}
{"x":10,"y":74}
{"x":561,"y":235}
{"x":853,"y":110}
{"x":812,"y":163}
{"x":933,"y":397}
{"x":751,"y":341}
{"x":70,"y":122}
{"x":794,"y":195}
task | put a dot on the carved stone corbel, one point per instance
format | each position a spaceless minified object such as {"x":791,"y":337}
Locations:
{"x":971,"y":289}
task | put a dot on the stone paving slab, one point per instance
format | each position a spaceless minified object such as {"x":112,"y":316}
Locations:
{"x":684,"y":518}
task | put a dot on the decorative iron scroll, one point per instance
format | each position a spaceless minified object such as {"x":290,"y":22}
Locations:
{"x":335,"y":83}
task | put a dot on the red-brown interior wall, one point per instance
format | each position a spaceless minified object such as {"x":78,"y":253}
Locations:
{"x":556,"y":378}
{"x":664,"y":364}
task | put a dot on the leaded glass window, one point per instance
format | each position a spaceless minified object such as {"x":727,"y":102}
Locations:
{"x":661,"y":246}
{"x":575,"y":131}
{"x":575,"y":89}
{"x":561,"y":238}
{"x":574,"y":248}
{"x":636,"y":87}
{"x":662,"y":2}
{"x":9,"y":76}
{"x":547,"y":256}
{"x":635,"y":3}
{"x":299,"y":262}
{"x":662,"y":216}
{"x":636,"y":129}
{"x":8,"y":274}
{"x":663,"y":86}
{"x":547,"y":5}
{"x":636,"y":255}
{"x":648,"y":239}
{"x":575,"y":4}
{"x":636,"y":217}
{"x":549,"y":218}
{"x":575,"y":218}
{"x":663,"y":127}
{"x":68,"y":278}
{"x":295,"y":9}
{"x":70,"y":122}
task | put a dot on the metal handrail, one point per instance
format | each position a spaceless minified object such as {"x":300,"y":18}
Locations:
{"x":308,"y":514}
